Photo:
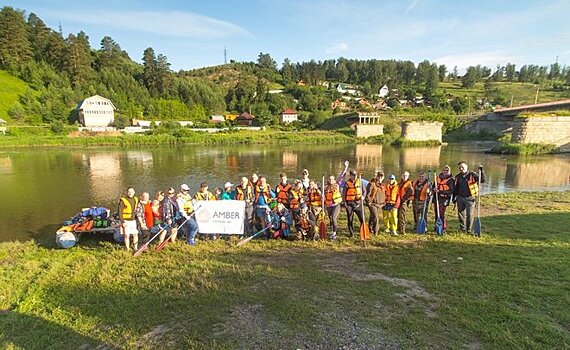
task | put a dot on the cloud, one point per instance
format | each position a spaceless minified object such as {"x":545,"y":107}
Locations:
{"x":337,"y":49}
{"x":462,"y":61}
{"x":168,"y":23}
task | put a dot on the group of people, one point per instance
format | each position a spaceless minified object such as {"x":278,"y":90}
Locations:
{"x":301,"y":209}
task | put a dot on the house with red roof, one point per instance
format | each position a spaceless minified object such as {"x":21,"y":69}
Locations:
{"x":288,"y":116}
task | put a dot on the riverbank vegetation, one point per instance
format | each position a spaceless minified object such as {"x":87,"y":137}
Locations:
{"x":54,"y":73}
{"x":507,"y":289}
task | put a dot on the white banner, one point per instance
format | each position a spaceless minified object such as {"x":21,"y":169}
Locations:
{"x":224,"y":217}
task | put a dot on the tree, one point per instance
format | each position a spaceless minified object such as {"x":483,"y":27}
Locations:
{"x":510,"y":71}
{"x":287,"y":71}
{"x":264,"y":61}
{"x":78,"y":59}
{"x":442,"y":71}
{"x":470,"y":78}
{"x":150,"y":75}
{"x":15,"y":48}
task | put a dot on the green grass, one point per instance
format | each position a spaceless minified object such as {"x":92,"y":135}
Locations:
{"x":10,"y":88}
{"x":187,"y":137}
{"x":521,"y":93}
{"x":523,"y":148}
{"x":507,"y":289}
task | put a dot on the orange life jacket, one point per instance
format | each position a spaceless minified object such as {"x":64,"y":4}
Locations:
{"x":391,"y":193}
{"x":403,"y":189}
{"x":283,"y":193}
{"x":332,"y":197}
{"x":353,"y":191}
{"x":421,"y":189}
{"x":304,"y":222}
{"x":443,"y":186}
{"x":315,"y":198}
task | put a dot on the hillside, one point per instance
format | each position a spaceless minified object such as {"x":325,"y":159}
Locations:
{"x":10,"y":88}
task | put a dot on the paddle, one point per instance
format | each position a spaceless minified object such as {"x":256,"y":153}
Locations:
{"x":145,"y":246}
{"x":322,"y":223}
{"x":244,"y":241}
{"x":438,"y":222}
{"x":167,"y":240}
{"x":477,"y":228}
{"x":422,"y":227}
{"x":364,"y":229}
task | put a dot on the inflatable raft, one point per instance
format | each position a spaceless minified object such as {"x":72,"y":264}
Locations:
{"x":94,"y":220}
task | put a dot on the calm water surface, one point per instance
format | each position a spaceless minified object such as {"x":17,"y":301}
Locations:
{"x":39,"y":188}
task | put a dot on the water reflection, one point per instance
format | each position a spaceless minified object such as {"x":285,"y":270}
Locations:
{"x":39,"y":189}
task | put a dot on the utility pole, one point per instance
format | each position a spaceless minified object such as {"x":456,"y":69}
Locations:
{"x":536,"y":97}
{"x":225,"y":56}
{"x":512,"y":98}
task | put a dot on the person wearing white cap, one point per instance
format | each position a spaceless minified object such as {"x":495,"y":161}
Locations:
{"x":305,"y":180}
{"x":228,"y":193}
{"x":244,"y":192}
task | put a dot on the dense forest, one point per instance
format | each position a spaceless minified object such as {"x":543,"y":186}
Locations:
{"x":61,"y":71}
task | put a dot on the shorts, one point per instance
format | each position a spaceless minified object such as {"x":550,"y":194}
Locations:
{"x":130,"y":228}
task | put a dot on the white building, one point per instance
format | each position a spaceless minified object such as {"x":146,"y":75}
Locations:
{"x":288,"y":116}
{"x":383,"y":92}
{"x":96,"y":111}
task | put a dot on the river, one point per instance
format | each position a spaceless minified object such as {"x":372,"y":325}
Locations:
{"x":41,"y":187}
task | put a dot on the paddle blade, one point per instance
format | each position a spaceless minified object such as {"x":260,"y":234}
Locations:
{"x":439,"y":227}
{"x":421,"y":226}
{"x":244,"y":241}
{"x":162,"y":245}
{"x":323,"y":229}
{"x":141,"y":250}
{"x":364,"y":232}
{"x":477,"y":228}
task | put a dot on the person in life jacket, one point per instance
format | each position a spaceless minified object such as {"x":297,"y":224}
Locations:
{"x":306,"y":224}
{"x":281,"y":221}
{"x":465,"y":194}
{"x":406,"y":192}
{"x":421,"y":196}
{"x":129,"y":213}
{"x":315,"y":198}
{"x":203,"y":194}
{"x":305,"y":180}
{"x":187,"y":221}
{"x":375,"y":199}
{"x":390,"y":209}
{"x":352,"y":196}
{"x":170,"y":216}
{"x":157,"y":208}
{"x":254,"y":181}
{"x":444,"y":191}
{"x":333,"y":199}
{"x":263,"y":196}
{"x":244,"y":192}
{"x":148,"y":222}
{"x":282,"y":190}
{"x":296,"y":197}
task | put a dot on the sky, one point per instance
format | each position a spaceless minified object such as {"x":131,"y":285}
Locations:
{"x":193,"y":34}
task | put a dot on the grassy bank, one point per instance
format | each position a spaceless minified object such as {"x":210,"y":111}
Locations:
{"x":507,"y":289}
{"x":186,"y":137}
{"x":523,"y":148}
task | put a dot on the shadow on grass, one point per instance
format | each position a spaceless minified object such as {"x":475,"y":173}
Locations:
{"x":33,"y":332}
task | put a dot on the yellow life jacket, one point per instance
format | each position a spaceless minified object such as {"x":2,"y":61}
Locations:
{"x":127,"y":210}
{"x":295,"y":201}
{"x":473,"y":185}
{"x":353,"y":191}
{"x":242,"y":195}
{"x":208,"y":196}
{"x":187,"y":206}
{"x":332,"y":196}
